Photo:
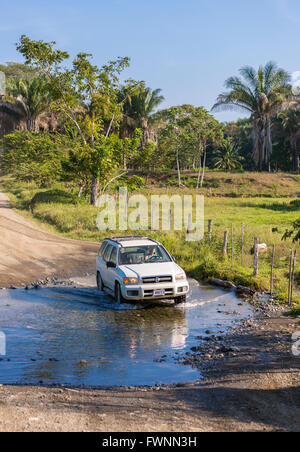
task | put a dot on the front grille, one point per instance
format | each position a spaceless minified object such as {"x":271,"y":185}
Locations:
{"x":149,"y":293}
{"x":156,"y":279}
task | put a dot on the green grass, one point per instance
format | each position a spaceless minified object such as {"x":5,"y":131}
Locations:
{"x":266,"y":218}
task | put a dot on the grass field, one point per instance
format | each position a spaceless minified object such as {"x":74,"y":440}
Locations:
{"x":263,"y":185}
{"x":264,"y":217}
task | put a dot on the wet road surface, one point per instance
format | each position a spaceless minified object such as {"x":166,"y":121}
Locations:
{"x":79,"y":336}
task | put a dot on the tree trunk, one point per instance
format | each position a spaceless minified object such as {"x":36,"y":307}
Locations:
{"x":94,"y":191}
{"x":268,"y":144}
{"x":296,"y":157}
{"x":124,"y":161}
{"x":178,"y":167}
{"x":199,"y":172}
{"x":80,"y":191}
{"x":258,"y":143}
{"x":31,"y":125}
{"x":203,"y":169}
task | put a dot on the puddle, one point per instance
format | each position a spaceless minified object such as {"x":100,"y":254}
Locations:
{"x":78,"y":336}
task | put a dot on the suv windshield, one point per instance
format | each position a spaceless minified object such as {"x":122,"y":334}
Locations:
{"x":143,"y":255}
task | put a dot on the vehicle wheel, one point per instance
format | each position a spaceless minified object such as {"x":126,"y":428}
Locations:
{"x":100,"y":285}
{"x":180,"y":300}
{"x":118,"y":294}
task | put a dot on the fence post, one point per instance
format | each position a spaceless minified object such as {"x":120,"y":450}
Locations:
{"x":170,"y":220}
{"x":210,"y":230}
{"x":255,"y":256}
{"x":232,"y":245}
{"x":225,"y":243}
{"x":293,"y":276}
{"x":290,"y":279}
{"x":272,"y":271}
{"x":242,"y":250}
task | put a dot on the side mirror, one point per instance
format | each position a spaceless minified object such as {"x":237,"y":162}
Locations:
{"x":111,"y":265}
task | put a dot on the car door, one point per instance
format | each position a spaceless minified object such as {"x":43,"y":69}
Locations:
{"x":104,"y":269}
{"x":111,"y":271}
{"x":100,"y":261}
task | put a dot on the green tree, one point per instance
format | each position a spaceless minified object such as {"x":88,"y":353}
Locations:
{"x":241,"y":133}
{"x":227,"y":157}
{"x":104,"y":161}
{"x":85,"y":95}
{"x":26,"y":99}
{"x":17,"y":71}
{"x":139,"y":111}
{"x":294,"y":232}
{"x":261,"y":93}
{"x":35,"y":157}
{"x":188,"y":132}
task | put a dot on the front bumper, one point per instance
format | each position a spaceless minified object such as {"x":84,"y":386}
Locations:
{"x":153,"y":291}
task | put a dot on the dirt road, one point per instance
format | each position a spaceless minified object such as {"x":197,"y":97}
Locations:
{"x":28,"y":253}
{"x":257,"y":389}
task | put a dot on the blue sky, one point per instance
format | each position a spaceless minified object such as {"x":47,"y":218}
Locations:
{"x":185,"y":47}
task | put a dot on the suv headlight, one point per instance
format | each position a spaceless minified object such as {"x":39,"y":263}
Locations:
{"x":180,"y":277}
{"x":130,"y":281}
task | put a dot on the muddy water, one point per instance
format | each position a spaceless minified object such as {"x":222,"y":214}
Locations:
{"x":78,"y":336}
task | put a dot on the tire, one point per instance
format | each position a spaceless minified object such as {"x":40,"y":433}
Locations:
{"x":180,"y":300}
{"x":118,"y":294}
{"x":100,"y":285}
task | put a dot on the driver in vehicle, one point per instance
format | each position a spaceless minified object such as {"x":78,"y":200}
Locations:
{"x":152,"y":254}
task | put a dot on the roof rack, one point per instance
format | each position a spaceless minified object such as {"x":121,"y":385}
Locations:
{"x":128,"y":238}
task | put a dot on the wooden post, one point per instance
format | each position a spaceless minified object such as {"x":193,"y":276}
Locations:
{"x":210,"y":230}
{"x":170,"y":219}
{"x":290,"y":278}
{"x":232,"y":245}
{"x":293,"y":276}
{"x":242,"y":247}
{"x":255,"y":256}
{"x":272,"y":271}
{"x":225,"y":243}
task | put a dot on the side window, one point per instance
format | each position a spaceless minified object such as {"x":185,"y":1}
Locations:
{"x":107,"y":252}
{"x":102,"y":248}
{"x":113,"y":257}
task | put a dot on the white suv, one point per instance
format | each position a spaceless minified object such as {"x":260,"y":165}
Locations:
{"x":136,"y":268}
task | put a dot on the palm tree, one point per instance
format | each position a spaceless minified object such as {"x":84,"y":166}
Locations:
{"x":26,"y":100}
{"x":139,"y":109}
{"x":261,"y":93}
{"x":227,"y":158}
